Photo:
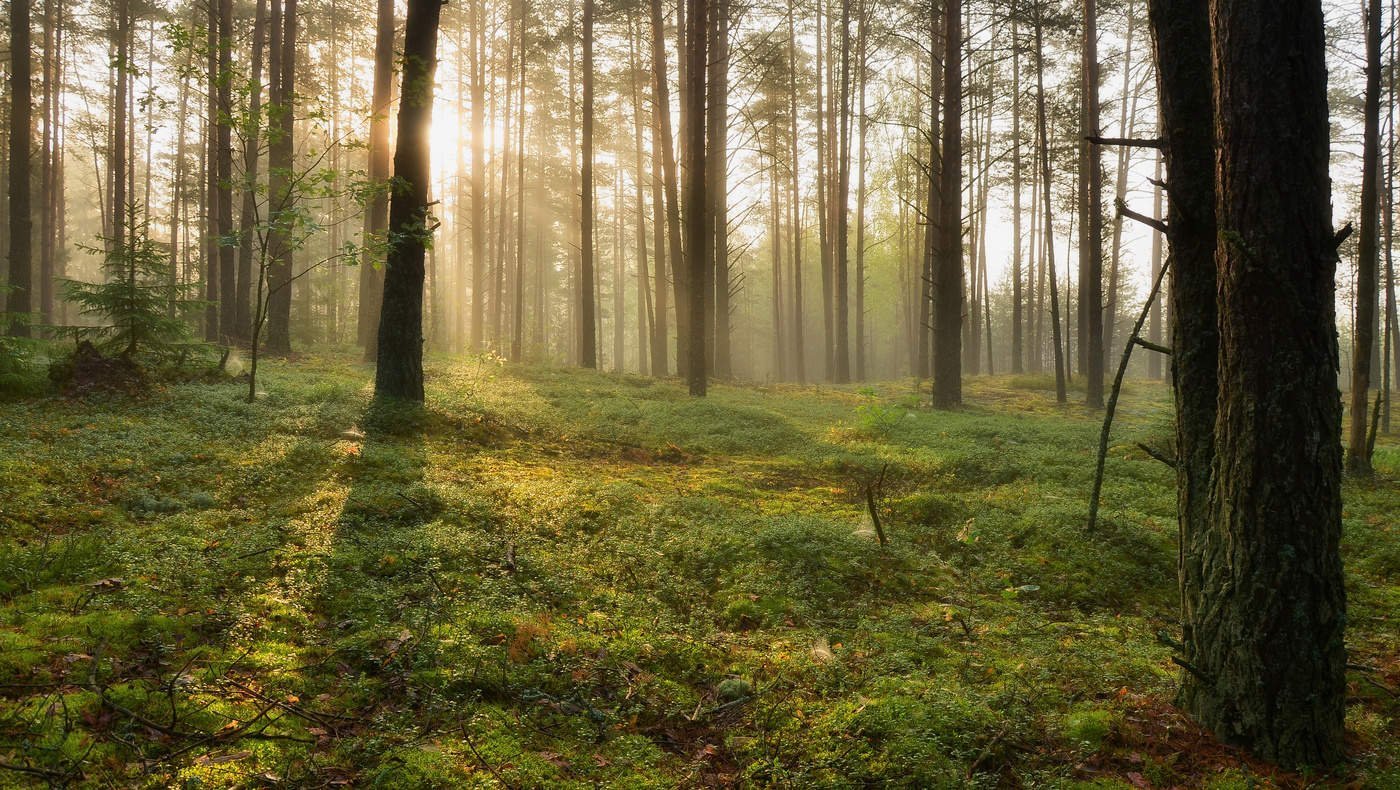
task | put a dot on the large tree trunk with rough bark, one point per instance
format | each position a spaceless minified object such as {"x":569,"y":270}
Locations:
{"x":1265,"y":644}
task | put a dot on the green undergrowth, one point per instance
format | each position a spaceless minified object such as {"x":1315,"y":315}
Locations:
{"x":551,"y":578}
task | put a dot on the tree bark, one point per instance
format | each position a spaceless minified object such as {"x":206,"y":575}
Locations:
{"x":1091,"y":353}
{"x":696,"y":206}
{"x":377,"y":212}
{"x":1358,"y":458}
{"x":399,"y":372}
{"x":252,"y":142}
{"x":948,"y":282}
{"x":1048,"y":265}
{"x":19,"y":302}
{"x":1266,"y":641}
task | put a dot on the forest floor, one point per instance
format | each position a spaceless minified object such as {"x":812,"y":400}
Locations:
{"x":554,"y":578}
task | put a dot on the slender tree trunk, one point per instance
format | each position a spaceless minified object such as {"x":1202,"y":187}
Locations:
{"x":228,"y":324}
{"x":377,"y":211}
{"x":1090,"y":218}
{"x":19,"y":302}
{"x":948,"y":284}
{"x":477,"y":47}
{"x":862,"y":56}
{"x":588,"y":341}
{"x":517,"y":337}
{"x":719,"y":181}
{"x":252,"y":144}
{"x":795,"y":323}
{"x":661,"y":106}
{"x":1017,"y":313}
{"x":1043,"y":132}
{"x":696,"y":206}
{"x":1368,"y":253}
{"x":281,"y":189}
{"x":646,"y":311}
{"x":1127,"y":123}
{"x":399,"y":372}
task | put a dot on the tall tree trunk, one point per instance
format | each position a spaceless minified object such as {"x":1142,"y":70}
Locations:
{"x":795,"y":324}
{"x":281,"y":189}
{"x":719,"y":181}
{"x":213,"y":235}
{"x":661,"y":106}
{"x":47,"y":147}
{"x":863,"y":124}
{"x":1048,"y":264}
{"x":19,"y":302}
{"x":517,"y":315}
{"x":377,"y":211}
{"x":477,"y":47}
{"x":588,"y":341}
{"x":948,"y":283}
{"x":1017,"y":313}
{"x":399,"y":372}
{"x":1090,"y":217}
{"x":1368,"y":253}
{"x":696,"y":206}
{"x":1127,"y":123}
{"x":646,"y":311}
{"x":1266,"y":641}
{"x":252,"y":143}
{"x":228,"y":324}
{"x":841,"y":372}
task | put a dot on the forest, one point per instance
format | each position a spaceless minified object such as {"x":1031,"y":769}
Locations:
{"x":699,"y":393}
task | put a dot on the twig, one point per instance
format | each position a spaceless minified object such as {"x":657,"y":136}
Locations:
{"x":482,"y":760}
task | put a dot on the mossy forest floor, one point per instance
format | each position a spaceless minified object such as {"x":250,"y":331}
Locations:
{"x":562,"y":579}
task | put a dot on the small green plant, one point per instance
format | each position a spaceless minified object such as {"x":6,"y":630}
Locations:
{"x":140,"y":306}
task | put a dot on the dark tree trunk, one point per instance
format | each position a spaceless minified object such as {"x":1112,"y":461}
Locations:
{"x":1090,"y":218}
{"x":1017,"y":337}
{"x":661,"y":106}
{"x":377,"y":212}
{"x":719,"y":182}
{"x":252,"y":141}
{"x":1266,"y":641}
{"x":1181,"y":34}
{"x":697,"y":238}
{"x":399,"y":372}
{"x":795,"y":323}
{"x":1368,"y":253}
{"x":841,"y":260}
{"x":281,"y":189}
{"x":19,"y":302}
{"x":588,"y":340}
{"x":228,"y":254}
{"x":947,"y":274}
{"x":1048,"y":265}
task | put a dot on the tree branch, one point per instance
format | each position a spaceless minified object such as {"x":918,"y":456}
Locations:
{"x":1128,"y":142}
